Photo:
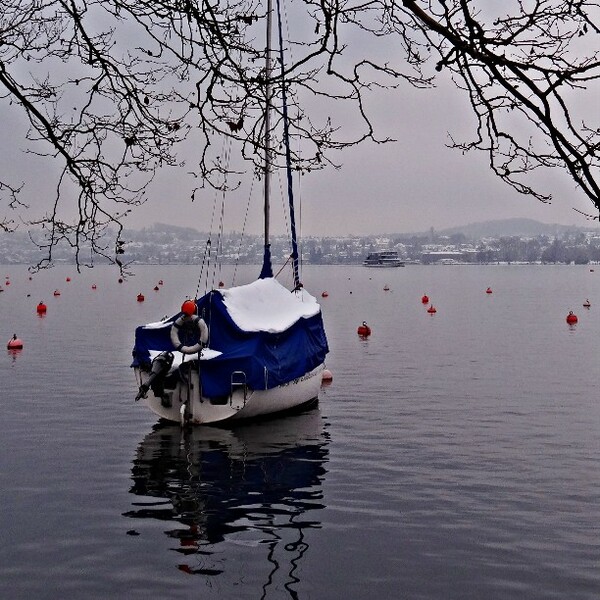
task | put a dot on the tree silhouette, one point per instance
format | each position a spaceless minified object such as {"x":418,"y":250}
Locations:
{"x":114,"y":91}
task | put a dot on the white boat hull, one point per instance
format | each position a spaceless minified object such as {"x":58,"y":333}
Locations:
{"x":184,"y":404}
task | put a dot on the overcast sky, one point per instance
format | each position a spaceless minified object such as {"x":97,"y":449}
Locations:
{"x":408,"y":186}
{"x":418,"y":182}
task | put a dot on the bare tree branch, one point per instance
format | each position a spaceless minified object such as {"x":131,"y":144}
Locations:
{"x":520,"y":71}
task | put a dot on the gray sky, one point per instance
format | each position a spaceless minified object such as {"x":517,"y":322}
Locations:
{"x":418,"y":182}
{"x":407,"y":186}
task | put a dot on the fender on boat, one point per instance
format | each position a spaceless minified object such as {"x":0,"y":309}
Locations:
{"x":202,"y":332}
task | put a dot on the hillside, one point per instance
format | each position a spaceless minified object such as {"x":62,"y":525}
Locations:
{"x":513,"y":227}
{"x":482,"y":242}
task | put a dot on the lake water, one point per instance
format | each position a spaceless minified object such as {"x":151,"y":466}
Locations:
{"x":454,"y":455}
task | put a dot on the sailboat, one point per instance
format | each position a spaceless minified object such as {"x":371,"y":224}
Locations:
{"x":242,"y":352}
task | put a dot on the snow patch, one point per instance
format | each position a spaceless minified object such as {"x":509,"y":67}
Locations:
{"x":265,"y":305}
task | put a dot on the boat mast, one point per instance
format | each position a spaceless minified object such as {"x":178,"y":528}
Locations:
{"x":267,"y":270}
{"x":288,"y":155}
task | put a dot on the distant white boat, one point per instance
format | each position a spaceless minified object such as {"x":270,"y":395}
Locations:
{"x":384,"y":259}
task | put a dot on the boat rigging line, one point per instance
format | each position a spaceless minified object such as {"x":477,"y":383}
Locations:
{"x":208,"y":250}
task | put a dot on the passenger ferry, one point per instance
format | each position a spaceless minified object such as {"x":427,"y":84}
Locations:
{"x":388,"y":258}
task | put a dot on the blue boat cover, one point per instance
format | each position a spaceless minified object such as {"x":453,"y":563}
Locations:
{"x":268,"y":358}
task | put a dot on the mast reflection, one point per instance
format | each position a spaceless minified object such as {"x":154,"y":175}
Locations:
{"x":258,"y":484}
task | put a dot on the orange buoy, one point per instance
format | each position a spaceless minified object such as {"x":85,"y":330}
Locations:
{"x":425,"y":299}
{"x":15,"y":343}
{"x":325,"y":294}
{"x":327,"y":376}
{"x":571,"y":318}
{"x":140,"y":297}
{"x":587,"y":303}
{"x":488,"y":291}
{"x":432,"y":309}
{"x":364,"y":330}
{"x":188,"y":308}
{"x":41,"y":308}
{"x":56,"y":293}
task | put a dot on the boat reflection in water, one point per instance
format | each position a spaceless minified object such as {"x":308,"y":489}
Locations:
{"x":235,"y":490}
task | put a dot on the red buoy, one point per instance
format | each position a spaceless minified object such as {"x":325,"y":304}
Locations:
{"x":93,"y":286}
{"x":68,"y":279}
{"x":364,"y":330}
{"x":425,"y":299}
{"x":56,"y":293}
{"x":140,"y":297}
{"x":432,"y":309}
{"x":15,"y":343}
{"x":41,"y":308}
{"x":188,"y":308}
{"x":156,"y":288}
{"x":327,"y":376}
{"x":160,"y":282}
{"x":571,"y":318}
{"x":325,"y":294}
{"x":488,"y":291}
{"x":221,"y":284}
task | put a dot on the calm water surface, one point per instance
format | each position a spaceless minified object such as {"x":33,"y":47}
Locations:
{"x":454,"y":456}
